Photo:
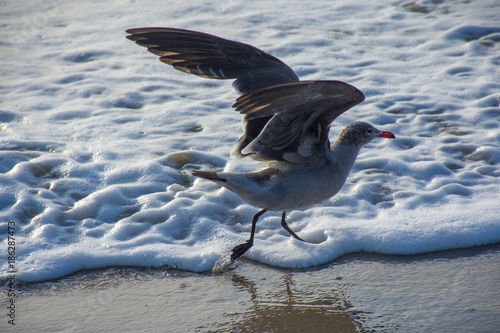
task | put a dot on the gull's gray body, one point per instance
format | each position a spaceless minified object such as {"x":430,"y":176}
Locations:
{"x":297,"y":186}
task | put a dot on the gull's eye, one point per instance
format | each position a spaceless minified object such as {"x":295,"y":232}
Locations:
{"x":369,"y":131}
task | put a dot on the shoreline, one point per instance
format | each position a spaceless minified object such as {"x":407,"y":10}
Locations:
{"x":447,"y":291}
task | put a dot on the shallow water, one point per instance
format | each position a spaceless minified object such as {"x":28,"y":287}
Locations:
{"x":453,"y":291}
{"x":97,"y":135}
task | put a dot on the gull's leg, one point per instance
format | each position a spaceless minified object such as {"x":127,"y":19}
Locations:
{"x":287,"y":228}
{"x":239,"y":250}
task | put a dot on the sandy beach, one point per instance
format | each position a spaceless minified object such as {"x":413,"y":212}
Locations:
{"x":450,"y":291}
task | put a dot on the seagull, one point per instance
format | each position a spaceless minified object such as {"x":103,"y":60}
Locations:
{"x":286,"y":122}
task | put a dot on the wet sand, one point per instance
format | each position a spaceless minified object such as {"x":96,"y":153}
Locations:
{"x":451,"y":291}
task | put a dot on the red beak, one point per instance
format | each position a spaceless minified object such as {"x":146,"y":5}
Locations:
{"x":387,"y":135}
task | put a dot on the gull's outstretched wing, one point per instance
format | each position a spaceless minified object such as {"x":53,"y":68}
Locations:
{"x":301,"y":116}
{"x":214,"y":57}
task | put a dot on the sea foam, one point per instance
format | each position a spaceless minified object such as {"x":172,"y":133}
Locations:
{"x":98,"y":137}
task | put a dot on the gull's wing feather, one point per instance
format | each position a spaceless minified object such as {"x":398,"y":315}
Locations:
{"x":301,"y":116}
{"x":214,"y":57}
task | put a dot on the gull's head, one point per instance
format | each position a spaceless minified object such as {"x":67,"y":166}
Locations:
{"x":360,"y":133}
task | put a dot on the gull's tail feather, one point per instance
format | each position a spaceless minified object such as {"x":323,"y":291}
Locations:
{"x":208,"y":175}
